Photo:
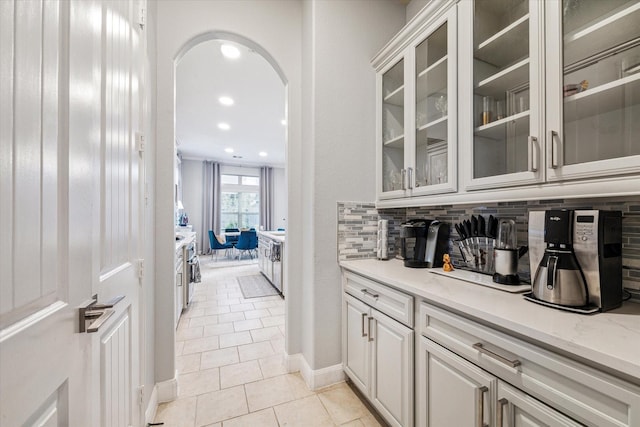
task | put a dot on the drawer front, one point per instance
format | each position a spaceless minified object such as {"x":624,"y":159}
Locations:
{"x":394,"y":304}
{"x":585,"y":394}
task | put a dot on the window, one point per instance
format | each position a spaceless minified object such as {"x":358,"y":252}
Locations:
{"x":240,"y":204}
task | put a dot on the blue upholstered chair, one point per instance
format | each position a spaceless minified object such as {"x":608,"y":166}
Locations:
{"x":215,"y":245}
{"x":247,"y":242}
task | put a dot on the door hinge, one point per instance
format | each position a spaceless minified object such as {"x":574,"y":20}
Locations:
{"x":141,"y":395}
{"x":141,"y":269}
{"x":140,"y":142}
{"x":142,"y":16}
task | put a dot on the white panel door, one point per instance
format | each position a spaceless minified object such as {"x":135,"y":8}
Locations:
{"x":357,"y":355}
{"x":392,"y":378}
{"x":69,"y":97}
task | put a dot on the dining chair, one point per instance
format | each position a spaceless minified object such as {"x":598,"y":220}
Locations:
{"x":247,"y":242}
{"x":215,"y":244}
{"x":232,"y":239}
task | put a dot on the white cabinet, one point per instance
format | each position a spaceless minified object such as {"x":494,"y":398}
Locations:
{"x":378,"y":351}
{"x":522,"y":99}
{"x":555,"y":88}
{"x":416,"y":110}
{"x":509,"y":382}
{"x":453,"y":392}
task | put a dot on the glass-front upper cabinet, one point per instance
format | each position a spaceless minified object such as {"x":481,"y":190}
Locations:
{"x":504,"y":107}
{"x":392,"y":115}
{"x":593,"y":88}
{"x":434,"y":155}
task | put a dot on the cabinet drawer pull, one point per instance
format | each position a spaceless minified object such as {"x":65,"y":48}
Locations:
{"x":364,"y":315}
{"x":511,"y":363}
{"x":554,"y":149}
{"x":533,"y":154}
{"x":404,"y":179}
{"x":480,"y":406}
{"x":369,"y":328}
{"x":366,"y":292}
{"x":499,"y":410}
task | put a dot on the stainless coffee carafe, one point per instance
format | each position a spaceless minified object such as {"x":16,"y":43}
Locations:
{"x":558,"y":278}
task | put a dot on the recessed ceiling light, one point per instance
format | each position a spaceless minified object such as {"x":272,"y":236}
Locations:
{"x":228,"y":150}
{"x":230,"y":51}
{"x":225,"y":100}
{"x":237,"y":157}
{"x":224,"y":126}
{"x":283,"y":121}
{"x":262,"y":154}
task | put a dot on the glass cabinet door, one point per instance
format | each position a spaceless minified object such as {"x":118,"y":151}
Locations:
{"x":594,"y":100}
{"x":506,"y":124}
{"x":392,"y":117}
{"x":434,"y":166}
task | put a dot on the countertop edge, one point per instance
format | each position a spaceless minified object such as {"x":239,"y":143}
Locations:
{"x":574,"y":338}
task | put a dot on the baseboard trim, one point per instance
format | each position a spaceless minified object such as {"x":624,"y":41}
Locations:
{"x":152,"y":406}
{"x":315,"y":379}
{"x":168,"y":390}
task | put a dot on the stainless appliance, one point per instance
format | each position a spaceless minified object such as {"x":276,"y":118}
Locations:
{"x":506,"y":254}
{"x":276,"y":260}
{"x":577,"y":259}
{"x":423,"y":242}
{"x":189,"y":276}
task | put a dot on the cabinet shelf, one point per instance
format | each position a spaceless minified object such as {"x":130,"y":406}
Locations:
{"x":497,"y":130}
{"x":606,"y":31}
{"x":432,"y":79}
{"x":602,"y":99}
{"x":497,"y":84}
{"x":434,"y":131}
{"x":397,"y":142}
{"x":507,"y":45}
{"x":396,"y":97}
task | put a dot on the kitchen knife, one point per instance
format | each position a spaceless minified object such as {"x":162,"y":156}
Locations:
{"x":489,"y":232}
{"x":474,"y":226}
{"x":460,"y":231}
{"x":481,"y":226}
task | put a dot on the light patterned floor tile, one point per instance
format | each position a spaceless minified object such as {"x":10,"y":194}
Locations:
{"x":199,"y":382}
{"x":217,"y":358}
{"x":230,"y":317}
{"x":203,"y":321}
{"x":199,"y":345}
{"x":245,"y":325}
{"x":255,"y":351}
{"x":256,"y":314}
{"x":220,"y":405}
{"x":342,"y":404}
{"x":264,"y":334}
{"x":241,"y":307}
{"x":268,"y":393}
{"x":264,"y":418}
{"x":307,"y":412}
{"x":218,"y":329}
{"x":188,"y":363}
{"x":188,"y":333}
{"x":273,"y":365}
{"x":178,"y":413}
{"x":272,"y":321}
{"x":237,"y":338}
{"x":240,"y":373}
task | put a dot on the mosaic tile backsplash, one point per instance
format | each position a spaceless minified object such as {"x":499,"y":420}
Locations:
{"x":358,"y":226}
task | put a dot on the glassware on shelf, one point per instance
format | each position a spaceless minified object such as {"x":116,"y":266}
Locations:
{"x":441,"y":105}
{"x":500,"y":110}
{"x":487,"y":110}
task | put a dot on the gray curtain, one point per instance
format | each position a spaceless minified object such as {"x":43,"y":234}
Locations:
{"x":210,"y":203}
{"x":266,"y":197}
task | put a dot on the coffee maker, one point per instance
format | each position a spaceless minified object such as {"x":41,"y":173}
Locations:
{"x":576,"y":259}
{"x":423,"y":242}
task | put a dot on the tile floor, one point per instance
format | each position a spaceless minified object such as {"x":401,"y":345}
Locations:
{"x":230,"y":362}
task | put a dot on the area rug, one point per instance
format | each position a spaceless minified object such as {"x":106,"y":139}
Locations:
{"x":255,"y":286}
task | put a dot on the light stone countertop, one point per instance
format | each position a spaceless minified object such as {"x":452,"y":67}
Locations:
{"x":609,"y":341}
{"x":278,"y":236}
{"x":189,"y":236}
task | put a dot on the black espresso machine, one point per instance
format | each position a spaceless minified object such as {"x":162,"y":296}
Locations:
{"x":423,"y":242}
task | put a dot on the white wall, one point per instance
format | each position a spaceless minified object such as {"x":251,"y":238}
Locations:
{"x":414,"y":7}
{"x":279,"y":214}
{"x":345,"y":36}
{"x":274,"y":27}
{"x":323,"y":48}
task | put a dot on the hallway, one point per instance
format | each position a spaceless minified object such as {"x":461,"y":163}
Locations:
{"x":230,"y":362}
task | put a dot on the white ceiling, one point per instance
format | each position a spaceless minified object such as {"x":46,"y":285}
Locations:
{"x":255,"y":119}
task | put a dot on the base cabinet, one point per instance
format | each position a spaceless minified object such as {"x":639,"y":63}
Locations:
{"x":454,"y":392}
{"x":378,"y":358}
